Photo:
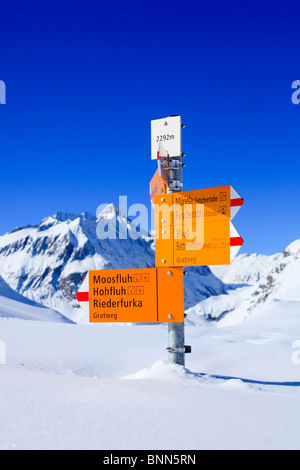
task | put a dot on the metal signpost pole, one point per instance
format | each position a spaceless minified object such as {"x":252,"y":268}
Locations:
{"x":176,"y":330}
{"x":166,"y":144}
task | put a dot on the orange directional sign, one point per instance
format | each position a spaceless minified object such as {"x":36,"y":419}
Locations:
{"x":157,"y":186}
{"x":134,"y":295}
{"x":194,"y":228}
{"x":221,"y":200}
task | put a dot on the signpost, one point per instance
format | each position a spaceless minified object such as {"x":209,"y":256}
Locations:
{"x":193,"y":228}
{"x":166,"y":149}
{"x":148,"y":295}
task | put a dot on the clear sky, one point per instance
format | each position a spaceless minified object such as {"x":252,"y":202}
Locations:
{"x":84,"y":80}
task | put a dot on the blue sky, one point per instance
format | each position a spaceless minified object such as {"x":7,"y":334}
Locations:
{"x":85,"y":79}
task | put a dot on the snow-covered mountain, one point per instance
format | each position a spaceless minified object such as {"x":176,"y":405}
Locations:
{"x":245,"y":268}
{"x":15,"y":305}
{"x":48,"y":262}
{"x":253,"y":282}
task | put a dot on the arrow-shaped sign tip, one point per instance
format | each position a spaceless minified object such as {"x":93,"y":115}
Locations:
{"x":236,"y":242}
{"x":236,"y":202}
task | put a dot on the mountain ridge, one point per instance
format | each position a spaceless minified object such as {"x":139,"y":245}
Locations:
{"x":253,"y":283}
{"x":48,"y":262}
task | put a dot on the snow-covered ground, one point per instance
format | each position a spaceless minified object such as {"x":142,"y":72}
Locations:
{"x":68,"y":386}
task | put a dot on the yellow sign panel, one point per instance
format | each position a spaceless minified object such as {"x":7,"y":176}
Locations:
{"x":193,"y":228}
{"x":136,"y":295}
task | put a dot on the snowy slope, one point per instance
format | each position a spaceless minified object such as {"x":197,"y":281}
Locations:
{"x":245,"y":268}
{"x":101,"y":386}
{"x":110,"y":387}
{"x":14,"y":305}
{"x":253,"y":283}
{"x":48,"y":262}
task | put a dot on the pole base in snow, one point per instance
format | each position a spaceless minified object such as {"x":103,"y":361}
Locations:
{"x":176,"y":343}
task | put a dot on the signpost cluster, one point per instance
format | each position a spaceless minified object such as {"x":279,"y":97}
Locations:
{"x":192,"y":228}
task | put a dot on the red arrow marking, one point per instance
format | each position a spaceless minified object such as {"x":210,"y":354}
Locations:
{"x":236,"y":202}
{"x":82,"y":296}
{"x":236,"y":241}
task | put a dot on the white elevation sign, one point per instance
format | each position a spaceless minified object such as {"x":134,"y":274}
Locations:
{"x":168,"y":132}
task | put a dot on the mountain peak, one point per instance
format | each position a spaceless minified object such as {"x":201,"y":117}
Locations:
{"x":108,"y":212}
{"x":293,"y":248}
{"x":65,"y":216}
